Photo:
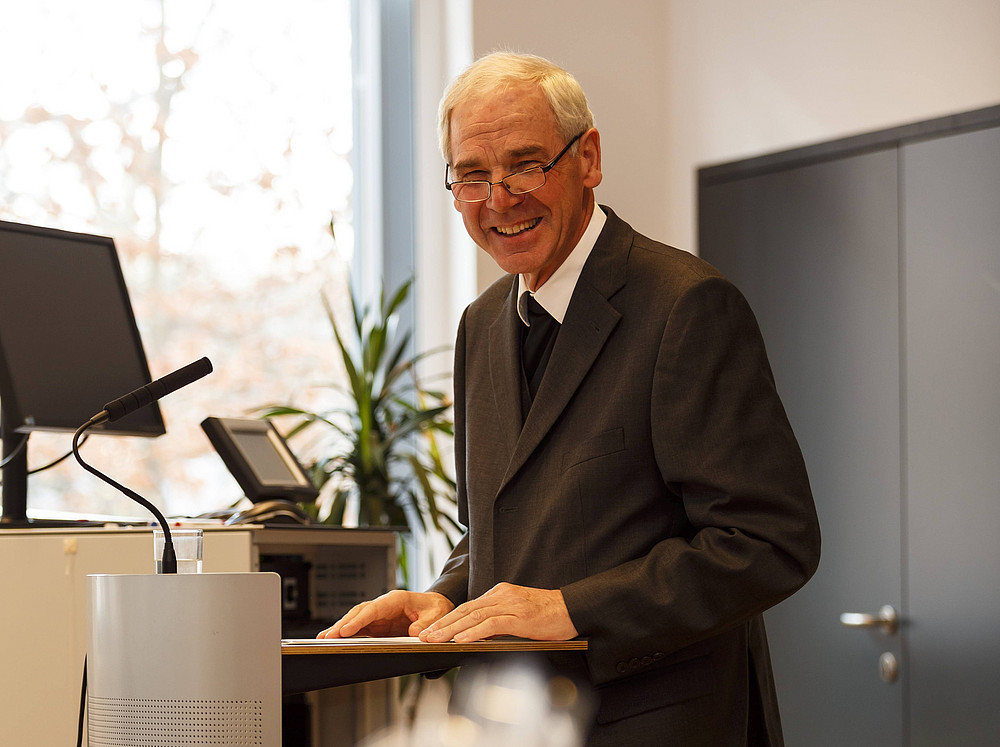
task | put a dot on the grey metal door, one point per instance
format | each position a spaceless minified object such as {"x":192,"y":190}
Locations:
{"x":814,"y":249}
{"x":951,"y":194}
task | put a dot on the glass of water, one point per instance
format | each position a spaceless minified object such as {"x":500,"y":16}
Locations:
{"x":187,"y":547}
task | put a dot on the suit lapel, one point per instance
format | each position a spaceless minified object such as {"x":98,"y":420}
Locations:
{"x":505,"y":368}
{"x":590,"y":320}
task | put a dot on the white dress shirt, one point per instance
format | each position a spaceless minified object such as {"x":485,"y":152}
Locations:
{"x":556,"y":292}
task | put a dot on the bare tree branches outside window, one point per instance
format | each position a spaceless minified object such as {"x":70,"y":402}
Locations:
{"x":212,"y":140}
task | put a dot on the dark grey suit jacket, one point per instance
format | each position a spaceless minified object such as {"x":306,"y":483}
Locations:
{"x":655,"y":481}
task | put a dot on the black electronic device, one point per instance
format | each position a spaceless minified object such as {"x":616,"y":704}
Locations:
{"x":259,"y":459}
{"x":68,"y":344}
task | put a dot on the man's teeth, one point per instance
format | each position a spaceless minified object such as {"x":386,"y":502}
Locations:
{"x":516,"y":229}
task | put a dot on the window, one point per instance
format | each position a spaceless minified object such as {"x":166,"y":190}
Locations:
{"x":212,"y":140}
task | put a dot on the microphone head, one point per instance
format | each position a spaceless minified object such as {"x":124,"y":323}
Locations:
{"x":155,"y":390}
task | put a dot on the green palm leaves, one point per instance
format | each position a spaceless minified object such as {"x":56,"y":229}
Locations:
{"x":386,"y":457}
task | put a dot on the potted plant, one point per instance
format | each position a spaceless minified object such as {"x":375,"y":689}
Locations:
{"x":382,"y":464}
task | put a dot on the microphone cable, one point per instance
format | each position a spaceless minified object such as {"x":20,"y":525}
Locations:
{"x":55,"y":462}
{"x":17,"y":450}
{"x":169,"y":561}
{"x":58,"y":460}
{"x":83,"y":705}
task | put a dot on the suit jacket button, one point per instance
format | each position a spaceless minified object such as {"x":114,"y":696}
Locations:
{"x":647,"y":660}
{"x":622,"y":667}
{"x":633,"y":664}
{"x":658,"y":655}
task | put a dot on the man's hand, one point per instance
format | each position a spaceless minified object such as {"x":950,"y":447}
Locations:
{"x":398,"y":613}
{"x":538,"y":614}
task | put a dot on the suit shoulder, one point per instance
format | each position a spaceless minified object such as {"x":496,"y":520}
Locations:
{"x":487,"y":305}
{"x":657,"y":270}
{"x":647,"y":260}
{"x":649,"y":256}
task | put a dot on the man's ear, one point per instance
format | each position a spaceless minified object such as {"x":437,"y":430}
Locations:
{"x":590,"y":154}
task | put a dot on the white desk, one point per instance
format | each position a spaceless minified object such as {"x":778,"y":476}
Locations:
{"x":43,"y":612}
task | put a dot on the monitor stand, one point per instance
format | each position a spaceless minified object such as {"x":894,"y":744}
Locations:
{"x":15,"y":486}
{"x":15,"y":475}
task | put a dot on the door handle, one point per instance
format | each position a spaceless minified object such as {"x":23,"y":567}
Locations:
{"x":886,"y":619}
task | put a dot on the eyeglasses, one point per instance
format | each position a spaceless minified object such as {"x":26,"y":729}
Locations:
{"x":517,"y":184}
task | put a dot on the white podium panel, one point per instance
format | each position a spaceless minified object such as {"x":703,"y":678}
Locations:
{"x":184,"y":659}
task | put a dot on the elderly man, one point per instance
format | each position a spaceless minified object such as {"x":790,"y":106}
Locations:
{"x":625,"y":467}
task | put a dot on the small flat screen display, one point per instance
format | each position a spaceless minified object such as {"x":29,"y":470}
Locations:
{"x":259,"y":458}
{"x":263,"y":457}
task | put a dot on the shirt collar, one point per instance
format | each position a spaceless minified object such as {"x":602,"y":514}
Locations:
{"x":556,"y":292}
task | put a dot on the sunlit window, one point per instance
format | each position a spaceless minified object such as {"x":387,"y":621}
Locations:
{"x":212,"y":140}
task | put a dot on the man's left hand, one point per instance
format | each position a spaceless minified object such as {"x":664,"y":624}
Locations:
{"x":506,"y":609}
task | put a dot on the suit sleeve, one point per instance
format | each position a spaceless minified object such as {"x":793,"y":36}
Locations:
{"x":453,"y":582}
{"x":724,"y":447}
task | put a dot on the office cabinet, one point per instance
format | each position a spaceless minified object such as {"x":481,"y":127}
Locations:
{"x":873,"y":265}
{"x":43,"y":612}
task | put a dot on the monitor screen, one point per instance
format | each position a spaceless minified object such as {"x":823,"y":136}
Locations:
{"x":68,"y":338}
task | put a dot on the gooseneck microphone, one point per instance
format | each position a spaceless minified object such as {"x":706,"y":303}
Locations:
{"x":155,"y":390}
{"x":119,"y":408}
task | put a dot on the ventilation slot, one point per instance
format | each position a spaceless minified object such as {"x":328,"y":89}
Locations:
{"x":131,"y":722}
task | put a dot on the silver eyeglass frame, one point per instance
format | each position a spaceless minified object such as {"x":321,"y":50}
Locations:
{"x":489,"y":185}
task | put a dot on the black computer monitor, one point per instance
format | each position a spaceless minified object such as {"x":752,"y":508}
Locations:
{"x":68,"y":345}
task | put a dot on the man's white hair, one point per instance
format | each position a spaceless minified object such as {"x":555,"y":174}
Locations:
{"x":500,"y":70}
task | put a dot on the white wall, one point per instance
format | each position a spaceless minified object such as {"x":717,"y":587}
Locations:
{"x":751,"y":77}
{"x":678,"y":84}
{"x":616,"y":51}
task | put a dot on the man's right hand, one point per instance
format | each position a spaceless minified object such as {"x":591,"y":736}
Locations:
{"x":398,"y":613}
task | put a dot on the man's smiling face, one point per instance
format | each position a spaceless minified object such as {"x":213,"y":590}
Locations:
{"x":500,"y":132}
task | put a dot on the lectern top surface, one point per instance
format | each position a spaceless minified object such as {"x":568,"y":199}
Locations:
{"x":292,"y":646}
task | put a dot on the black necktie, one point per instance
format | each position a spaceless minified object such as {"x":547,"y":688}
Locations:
{"x":538,"y":341}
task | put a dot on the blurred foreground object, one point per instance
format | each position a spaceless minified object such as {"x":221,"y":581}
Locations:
{"x":502,"y":704}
